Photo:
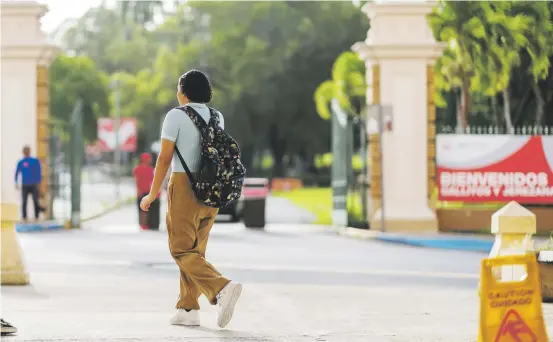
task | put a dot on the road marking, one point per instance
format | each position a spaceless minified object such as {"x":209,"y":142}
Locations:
{"x":400,"y":273}
{"x":75,"y":260}
{"x":366,"y":271}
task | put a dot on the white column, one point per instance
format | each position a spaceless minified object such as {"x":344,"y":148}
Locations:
{"x":23,"y":47}
{"x":513,"y":226}
{"x":400,"y":42}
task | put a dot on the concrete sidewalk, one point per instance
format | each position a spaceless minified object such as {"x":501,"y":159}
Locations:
{"x":96,"y":198}
{"x":78,"y":307}
{"x":462,"y":242}
{"x":111,"y":282}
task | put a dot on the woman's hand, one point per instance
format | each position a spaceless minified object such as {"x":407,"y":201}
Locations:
{"x":146,"y":201}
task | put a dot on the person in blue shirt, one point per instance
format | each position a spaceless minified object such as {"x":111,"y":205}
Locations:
{"x":31,"y":176}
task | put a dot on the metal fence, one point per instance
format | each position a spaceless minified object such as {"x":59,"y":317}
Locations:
{"x":79,"y":188}
{"x":519,"y":130}
{"x":59,"y":175}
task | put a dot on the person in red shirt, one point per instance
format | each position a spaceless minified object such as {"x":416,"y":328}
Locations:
{"x":144,"y":176}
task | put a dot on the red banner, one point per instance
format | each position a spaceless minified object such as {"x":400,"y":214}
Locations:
{"x":484,"y":168}
{"x":128,"y":132}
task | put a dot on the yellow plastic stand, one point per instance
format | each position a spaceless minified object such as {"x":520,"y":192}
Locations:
{"x":511,"y":311}
{"x":13,"y":267}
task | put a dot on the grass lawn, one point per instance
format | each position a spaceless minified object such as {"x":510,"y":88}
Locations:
{"x":319,"y":202}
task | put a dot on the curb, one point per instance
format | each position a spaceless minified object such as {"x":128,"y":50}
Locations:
{"x":38,"y":226}
{"x":458,"y":243}
{"x":107,"y":210}
{"x":44,"y":226}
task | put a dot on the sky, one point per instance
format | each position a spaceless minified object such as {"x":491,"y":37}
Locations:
{"x":62,"y":10}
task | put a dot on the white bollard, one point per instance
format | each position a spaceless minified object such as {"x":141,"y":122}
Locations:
{"x":513,"y":226}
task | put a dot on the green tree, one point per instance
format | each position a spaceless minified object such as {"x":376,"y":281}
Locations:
{"x":507,"y":37}
{"x":463,"y":26}
{"x":448,"y":77}
{"x":511,"y":73}
{"x":348,"y":86}
{"x":72,"y":78}
{"x":335,"y":28}
{"x":265,"y":60}
{"x":539,"y":47}
{"x":142,"y":12}
{"x":101,"y":35}
{"x":519,"y":27}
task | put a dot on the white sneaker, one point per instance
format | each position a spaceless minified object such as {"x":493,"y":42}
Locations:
{"x":226,"y":300}
{"x":6,"y":328}
{"x":188,"y":318}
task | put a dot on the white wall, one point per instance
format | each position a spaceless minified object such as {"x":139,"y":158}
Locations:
{"x":18,"y":116}
{"x":403,"y":85}
{"x":400,"y":42}
{"x":23,"y":46}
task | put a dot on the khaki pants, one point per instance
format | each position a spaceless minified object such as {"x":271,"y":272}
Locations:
{"x":188,"y":227}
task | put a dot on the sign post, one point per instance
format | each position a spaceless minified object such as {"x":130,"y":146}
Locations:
{"x":382,"y":116}
{"x":117,"y":155}
{"x":339,"y":164}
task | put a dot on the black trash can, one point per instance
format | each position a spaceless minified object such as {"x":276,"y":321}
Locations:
{"x":254,"y":213}
{"x":255,"y":198}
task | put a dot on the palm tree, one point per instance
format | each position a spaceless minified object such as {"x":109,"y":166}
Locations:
{"x":449,"y":73}
{"x":518,"y":27}
{"x":506,"y":38}
{"x":348,"y":86}
{"x":463,"y":25}
{"x":539,"y":46}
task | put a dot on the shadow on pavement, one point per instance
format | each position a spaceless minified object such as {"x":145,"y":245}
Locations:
{"x":226,"y":332}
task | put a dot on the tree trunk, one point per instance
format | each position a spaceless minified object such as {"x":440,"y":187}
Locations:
{"x":465,"y":105}
{"x":507,"y":109}
{"x":495,"y":113}
{"x":459,"y":109}
{"x":540,"y":104}
{"x":278,"y":150}
{"x":258,"y":161}
{"x":278,"y":158}
{"x":521,"y":107}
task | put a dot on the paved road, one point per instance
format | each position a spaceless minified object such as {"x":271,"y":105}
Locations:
{"x":109,"y":282}
{"x":98,"y":192}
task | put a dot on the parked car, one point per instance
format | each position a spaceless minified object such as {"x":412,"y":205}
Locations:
{"x":235,"y":210}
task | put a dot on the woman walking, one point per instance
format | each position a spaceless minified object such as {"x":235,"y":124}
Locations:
{"x":193,"y":196}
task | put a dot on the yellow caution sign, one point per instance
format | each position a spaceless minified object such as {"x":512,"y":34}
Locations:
{"x":511,"y":311}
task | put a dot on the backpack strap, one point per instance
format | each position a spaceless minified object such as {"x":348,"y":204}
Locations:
{"x":214,"y":117}
{"x":194,"y":116}
{"x":200,"y":124}
{"x":186,"y":169}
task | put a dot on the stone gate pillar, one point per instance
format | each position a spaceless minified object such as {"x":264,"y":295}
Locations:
{"x":24,"y":50}
{"x":399,"y":52}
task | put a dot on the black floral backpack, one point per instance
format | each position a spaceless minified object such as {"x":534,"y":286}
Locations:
{"x":221,"y":175}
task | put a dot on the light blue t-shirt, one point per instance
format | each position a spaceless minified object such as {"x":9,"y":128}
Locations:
{"x":178,"y":128}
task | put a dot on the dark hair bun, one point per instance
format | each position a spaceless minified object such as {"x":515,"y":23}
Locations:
{"x":195,"y":85}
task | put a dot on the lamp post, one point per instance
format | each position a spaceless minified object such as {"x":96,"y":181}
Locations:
{"x":115,"y":85}
{"x":77,"y":150}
